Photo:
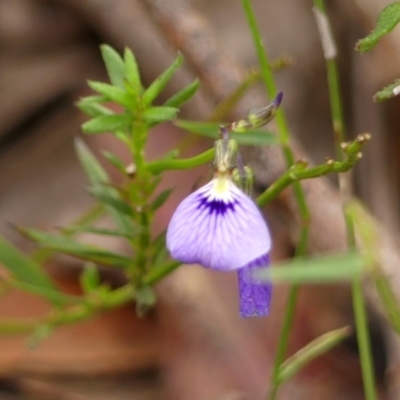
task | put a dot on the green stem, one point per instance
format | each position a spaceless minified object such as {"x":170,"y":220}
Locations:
{"x":283,"y":135}
{"x":157,"y":167}
{"x":364,"y":341}
{"x":140,"y":193}
{"x":336,"y":106}
{"x":268,"y":79}
{"x":334,"y":92}
{"x":361,"y":323}
{"x":299,"y":171}
{"x":283,"y":340}
{"x":287,"y":320}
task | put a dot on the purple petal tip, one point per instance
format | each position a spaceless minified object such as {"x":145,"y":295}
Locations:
{"x":255,"y":298}
{"x":278,"y":99}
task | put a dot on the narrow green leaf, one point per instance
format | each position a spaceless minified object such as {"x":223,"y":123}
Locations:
{"x":53,"y":295}
{"x":161,"y":257}
{"x":388,"y":18}
{"x":123,"y":136}
{"x":40,"y":333}
{"x":96,"y":98}
{"x":114,"y":93}
{"x":315,"y":270}
{"x":90,"y":278}
{"x":107,"y":123}
{"x":91,"y":106}
{"x":156,"y":274}
{"x":93,"y":109}
{"x":115,"y":161}
{"x":97,"y":177}
{"x":388,"y":92}
{"x":132,"y":72}
{"x":99,"y":231}
{"x":76,"y":249}
{"x":110,"y":199}
{"x":159,"y":253}
{"x":155,"y":115}
{"x":389,"y":300}
{"x":161,"y":199}
{"x":211,"y":130}
{"x":311,"y":351}
{"x":145,"y":299}
{"x":114,"y":65}
{"x":159,"y":84}
{"x":23,"y":268}
{"x":183,"y":95}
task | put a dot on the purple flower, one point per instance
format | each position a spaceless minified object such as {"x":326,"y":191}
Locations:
{"x":220,"y":227}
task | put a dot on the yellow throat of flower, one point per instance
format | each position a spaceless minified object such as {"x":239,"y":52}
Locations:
{"x":222,"y":181}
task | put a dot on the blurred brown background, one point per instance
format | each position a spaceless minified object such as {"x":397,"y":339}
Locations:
{"x":193,"y":345}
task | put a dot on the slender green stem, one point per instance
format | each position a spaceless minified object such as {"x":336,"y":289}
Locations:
{"x":336,"y":106}
{"x":283,"y":340}
{"x":299,"y":171}
{"x":361,"y":323}
{"x":287,"y":321}
{"x":156,"y":167}
{"x":283,"y":135}
{"x":268,"y":79}
{"x":364,"y":341}
{"x":139,"y":193}
{"x":334,"y":88}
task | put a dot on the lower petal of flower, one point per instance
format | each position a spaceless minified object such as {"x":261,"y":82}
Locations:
{"x":219,"y":227}
{"x":255,"y":298}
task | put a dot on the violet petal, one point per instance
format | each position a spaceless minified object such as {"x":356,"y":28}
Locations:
{"x":219,"y":227}
{"x":255,"y":298}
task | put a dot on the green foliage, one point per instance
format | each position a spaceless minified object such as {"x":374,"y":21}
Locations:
{"x":114,"y":93}
{"x":133,"y":203}
{"x":115,"y":161}
{"x":309,"y":352}
{"x":98,"y":178}
{"x":107,"y":123}
{"x":95,"y":230}
{"x":114,"y":65}
{"x":23,"y":268}
{"x":184,"y":95}
{"x":92,"y":107}
{"x":132,"y":72}
{"x":76,"y":249}
{"x":54,"y":296}
{"x":316,"y":270}
{"x":388,"y":92}
{"x":160,"y":114}
{"x":90,"y":278}
{"x":388,"y":18}
{"x":110,"y":198}
{"x":154,"y":90}
{"x":145,"y":299}
{"x":161,"y":199}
